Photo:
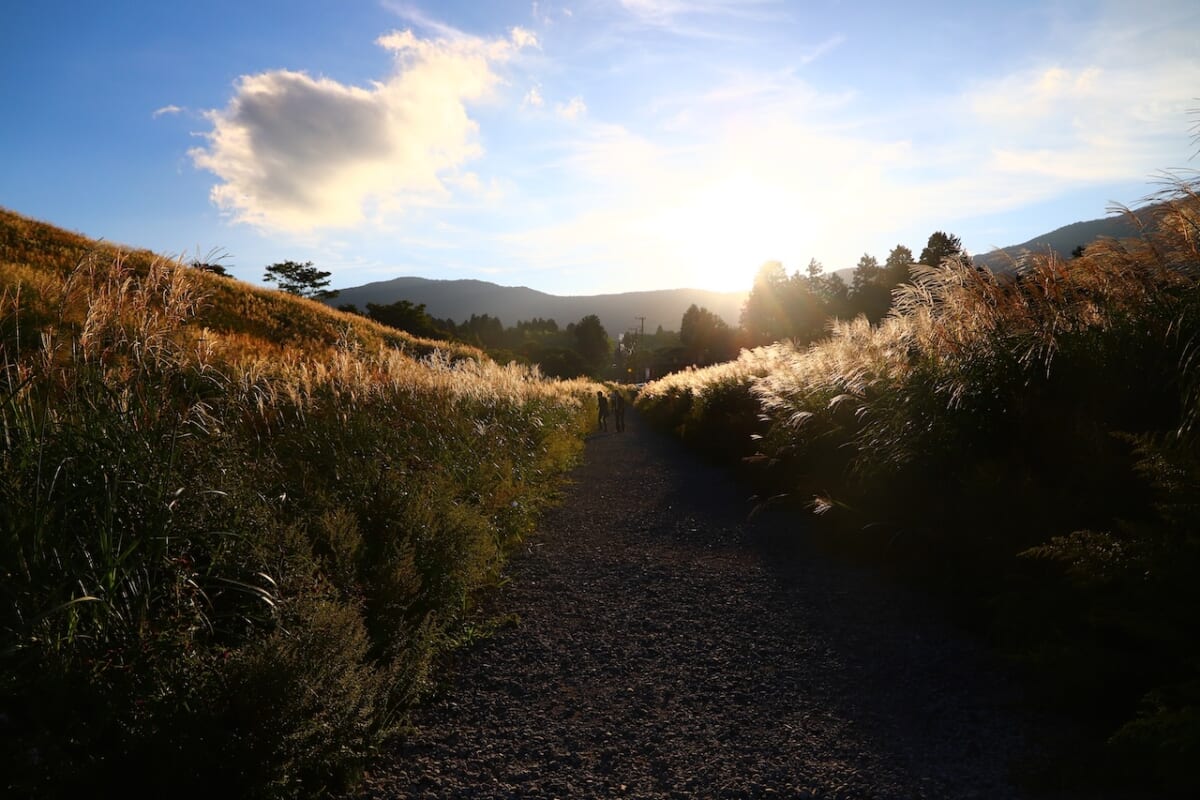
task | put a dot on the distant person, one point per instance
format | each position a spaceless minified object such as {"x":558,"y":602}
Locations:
{"x":602,"y":402}
{"x":618,"y":404}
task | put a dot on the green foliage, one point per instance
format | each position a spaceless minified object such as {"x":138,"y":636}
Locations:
{"x":705,"y":337}
{"x":211,"y":267}
{"x":303,"y":280}
{"x":942,"y":246}
{"x":591,"y":342}
{"x":406,"y":317}
{"x":871,"y":288}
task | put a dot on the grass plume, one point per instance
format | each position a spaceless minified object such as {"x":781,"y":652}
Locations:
{"x":236,"y":528}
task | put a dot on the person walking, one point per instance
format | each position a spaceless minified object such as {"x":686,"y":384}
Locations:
{"x":618,"y":405}
{"x":602,"y":403}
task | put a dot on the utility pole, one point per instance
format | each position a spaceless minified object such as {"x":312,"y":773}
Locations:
{"x":641,"y":336}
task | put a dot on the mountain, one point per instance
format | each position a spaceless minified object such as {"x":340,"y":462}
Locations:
{"x":459,"y":299}
{"x":1064,"y":240}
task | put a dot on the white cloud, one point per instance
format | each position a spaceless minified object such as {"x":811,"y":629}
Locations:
{"x":171,"y":109}
{"x":522,"y":37}
{"x":414,"y":15}
{"x":766,"y":165}
{"x":572,"y":109}
{"x":1085,"y":123}
{"x":820,"y":50}
{"x":533,"y":99}
{"x":294,"y":152}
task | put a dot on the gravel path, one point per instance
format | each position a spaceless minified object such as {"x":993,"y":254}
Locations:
{"x":667,"y":648}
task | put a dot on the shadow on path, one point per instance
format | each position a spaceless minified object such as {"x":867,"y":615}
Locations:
{"x":662,"y":651}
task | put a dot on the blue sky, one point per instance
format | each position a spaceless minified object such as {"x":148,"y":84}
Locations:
{"x":586,"y":146}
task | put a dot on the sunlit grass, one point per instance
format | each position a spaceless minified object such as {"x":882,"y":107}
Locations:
{"x":236,"y":528}
{"x":1027,"y":442}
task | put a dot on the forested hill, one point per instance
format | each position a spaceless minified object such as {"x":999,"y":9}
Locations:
{"x":1066,"y":239}
{"x":459,"y":299}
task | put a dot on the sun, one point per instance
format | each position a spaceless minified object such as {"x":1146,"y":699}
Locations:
{"x":725,"y":229}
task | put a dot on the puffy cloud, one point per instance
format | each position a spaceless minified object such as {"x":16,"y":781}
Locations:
{"x":523,"y":38}
{"x":572,"y":109}
{"x":296,"y":152}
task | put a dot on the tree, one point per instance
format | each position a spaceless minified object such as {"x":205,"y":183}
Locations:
{"x":814,"y":269}
{"x":483,"y":330}
{"x":537,"y":325}
{"x":830,"y":291}
{"x":941,"y":246}
{"x":591,"y":341}
{"x":304,"y":279}
{"x":705,"y":337}
{"x":866,"y":272}
{"x":897,"y":266}
{"x":211,"y":266}
{"x":871,"y":289}
{"x":764,"y":314}
{"x":404,"y":315}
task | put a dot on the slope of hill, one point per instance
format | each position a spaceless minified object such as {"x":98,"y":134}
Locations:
{"x":1064,"y":240}
{"x":459,"y":299}
{"x":40,"y":258}
{"x":237,"y":524}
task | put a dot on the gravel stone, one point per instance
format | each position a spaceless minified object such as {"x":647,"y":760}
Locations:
{"x":668,"y":646}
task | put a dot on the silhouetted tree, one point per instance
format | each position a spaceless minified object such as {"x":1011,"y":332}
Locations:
{"x":304,"y":279}
{"x":214,"y":268}
{"x":561,"y":362}
{"x":705,"y":337}
{"x":896,"y":268}
{"x":765,"y":316}
{"x":870,"y":289}
{"x":591,"y":342}
{"x":941,"y":246}
{"x":830,"y":291}
{"x":866,"y":272}
{"x":404,"y":315}
{"x":537,"y":325}
{"x":483,"y":330}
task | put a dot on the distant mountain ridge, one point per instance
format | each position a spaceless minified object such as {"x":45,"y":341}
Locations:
{"x":459,"y":299}
{"x":1064,"y":240}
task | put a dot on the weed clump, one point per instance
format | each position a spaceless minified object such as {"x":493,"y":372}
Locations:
{"x":1025,"y":442}
{"x":229,"y":558}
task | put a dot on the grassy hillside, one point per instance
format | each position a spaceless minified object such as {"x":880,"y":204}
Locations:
{"x":236,"y":527}
{"x":1030,"y":446}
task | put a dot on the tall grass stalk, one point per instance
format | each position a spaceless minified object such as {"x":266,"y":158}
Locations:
{"x":1026,"y":440}
{"x":227,"y":561}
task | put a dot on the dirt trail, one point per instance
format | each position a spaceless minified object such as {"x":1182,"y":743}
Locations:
{"x":665,"y":649}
